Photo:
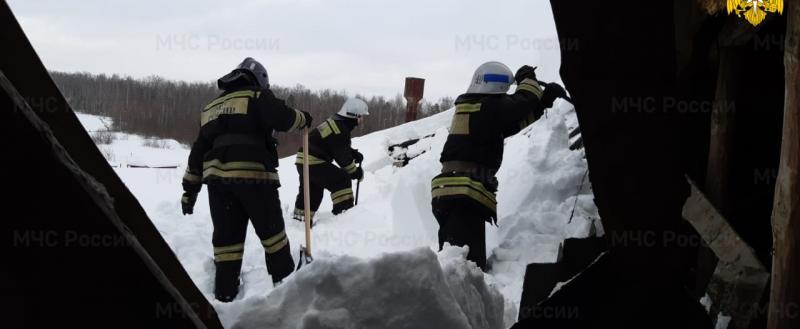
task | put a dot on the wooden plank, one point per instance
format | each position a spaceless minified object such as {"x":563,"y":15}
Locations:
{"x":26,"y":73}
{"x":739,"y":280}
{"x":125,"y":286}
{"x":784,"y":310}
{"x":720,"y":152}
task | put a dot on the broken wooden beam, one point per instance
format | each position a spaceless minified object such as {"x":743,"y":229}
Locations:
{"x":723,"y":125}
{"x":739,"y":280}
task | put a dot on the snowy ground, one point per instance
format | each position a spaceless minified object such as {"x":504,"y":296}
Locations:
{"x":375,"y":265}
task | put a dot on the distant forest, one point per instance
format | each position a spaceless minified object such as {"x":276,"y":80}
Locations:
{"x":160,"y":108}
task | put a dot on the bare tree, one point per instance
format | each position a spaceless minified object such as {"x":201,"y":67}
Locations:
{"x":156,"y":107}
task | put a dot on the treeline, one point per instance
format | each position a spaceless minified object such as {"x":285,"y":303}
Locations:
{"x":156,"y":107}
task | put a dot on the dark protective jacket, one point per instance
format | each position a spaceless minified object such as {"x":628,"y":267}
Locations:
{"x":474,"y":148}
{"x":329,"y":142}
{"x":235,"y":142}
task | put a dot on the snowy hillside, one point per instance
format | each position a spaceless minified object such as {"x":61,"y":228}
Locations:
{"x":126,"y":150}
{"x":376,"y":265}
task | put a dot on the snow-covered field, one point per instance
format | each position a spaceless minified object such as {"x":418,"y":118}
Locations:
{"x":377,"y":265}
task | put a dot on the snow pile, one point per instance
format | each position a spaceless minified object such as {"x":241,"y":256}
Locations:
{"x":398,"y":290}
{"x":376,"y":263}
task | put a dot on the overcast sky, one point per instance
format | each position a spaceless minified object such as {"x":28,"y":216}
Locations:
{"x":361,"y":46}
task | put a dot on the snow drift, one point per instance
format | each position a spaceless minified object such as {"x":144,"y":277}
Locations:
{"x":398,"y":290}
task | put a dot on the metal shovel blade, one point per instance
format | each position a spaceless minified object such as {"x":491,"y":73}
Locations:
{"x":305,"y":258}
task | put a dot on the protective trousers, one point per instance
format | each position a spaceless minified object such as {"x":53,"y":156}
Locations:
{"x":325,"y":176}
{"x":461,"y":223}
{"x":232,"y":205}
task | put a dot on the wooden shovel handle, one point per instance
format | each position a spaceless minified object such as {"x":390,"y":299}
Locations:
{"x":306,"y":192}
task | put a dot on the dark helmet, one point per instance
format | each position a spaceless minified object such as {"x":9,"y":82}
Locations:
{"x":245,"y":73}
{"x":256,"y":69}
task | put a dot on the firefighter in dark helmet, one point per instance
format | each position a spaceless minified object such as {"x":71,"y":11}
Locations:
{"x":235,"y":155}
{"x":464,"y":193}
{"x":329,"y":142}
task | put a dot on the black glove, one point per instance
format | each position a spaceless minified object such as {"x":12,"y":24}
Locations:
{"x":187,"y":202}
{"x":357,"y":156}
{"x":551,"y":92}
{"x":525,"y":72}
{"x":358,"y":174}
{"x":308,"y":118}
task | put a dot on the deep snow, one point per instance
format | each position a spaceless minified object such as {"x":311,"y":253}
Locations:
{"x":348,"y":292}
{"x":375,"y":265}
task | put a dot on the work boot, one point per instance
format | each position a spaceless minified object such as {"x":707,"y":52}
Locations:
{"x":299,"y":215}
{"x":227,"y":296}
{"x":226,"y":282}
{"x":280,"y":264}
{"x":340,"y":208}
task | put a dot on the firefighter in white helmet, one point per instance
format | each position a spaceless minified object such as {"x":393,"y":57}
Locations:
{"x":464,"y":192}
{"x":329,"y":142}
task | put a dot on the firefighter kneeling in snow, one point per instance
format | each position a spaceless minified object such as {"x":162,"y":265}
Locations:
{"x":464,"y":193}
{"x":329,"y":142}
{"x":235,"y":155}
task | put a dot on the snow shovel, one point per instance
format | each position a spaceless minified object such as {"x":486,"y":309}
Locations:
{"x":305,"y":251}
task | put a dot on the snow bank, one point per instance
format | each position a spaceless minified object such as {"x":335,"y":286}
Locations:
{"x":410,"y":289}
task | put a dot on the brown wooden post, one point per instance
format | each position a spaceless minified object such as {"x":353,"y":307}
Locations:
{"x":723,"y":124}
{"x":784,"y":311}
{"x":415,"y":88}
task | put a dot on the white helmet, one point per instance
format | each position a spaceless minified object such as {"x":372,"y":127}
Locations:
{"x":354,"y":108}
{"x":491,"y":78}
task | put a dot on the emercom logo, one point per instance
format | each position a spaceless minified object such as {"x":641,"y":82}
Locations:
{"x":754,"y":11}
